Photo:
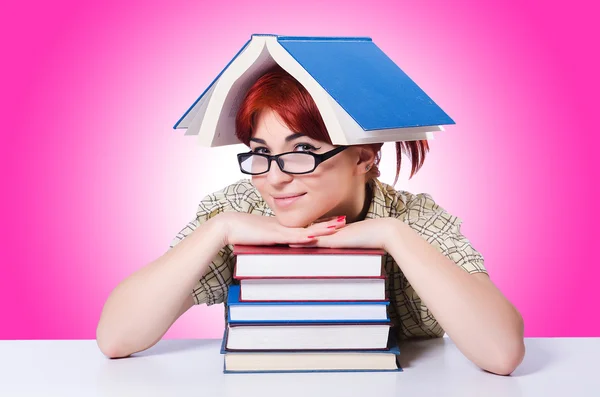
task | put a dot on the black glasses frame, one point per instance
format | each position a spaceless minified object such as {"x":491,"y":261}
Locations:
{"x":319,"y":158}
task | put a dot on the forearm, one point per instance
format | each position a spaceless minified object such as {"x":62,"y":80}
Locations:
{"x":143,"y":306}
{"x":483,"y":324}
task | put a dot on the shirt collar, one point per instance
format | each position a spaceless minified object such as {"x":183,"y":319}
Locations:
{"x":380,"y":202}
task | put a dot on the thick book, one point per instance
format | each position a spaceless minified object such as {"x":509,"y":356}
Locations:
{"x":307,"y":289}
{"x":293,"y":336}
{"x":281,"y":311}
{"x":312,"y":361}
{"x":279,"y":261}
{"x":362,"y":95}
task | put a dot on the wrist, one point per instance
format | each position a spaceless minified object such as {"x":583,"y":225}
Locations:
{"x":219,"y":228}
{"x":212,"y":231}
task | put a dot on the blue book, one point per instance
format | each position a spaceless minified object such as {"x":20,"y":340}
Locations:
{"x":299,"y":312}
{"x":311,"y":361}
{"x":363,"y":95}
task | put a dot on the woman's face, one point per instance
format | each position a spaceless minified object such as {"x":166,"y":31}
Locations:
{"x":328,"y":191}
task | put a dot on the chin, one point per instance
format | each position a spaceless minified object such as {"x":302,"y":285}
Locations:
{"x":294,"y":220}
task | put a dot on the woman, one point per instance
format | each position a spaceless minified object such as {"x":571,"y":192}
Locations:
{"x":312,"y":193}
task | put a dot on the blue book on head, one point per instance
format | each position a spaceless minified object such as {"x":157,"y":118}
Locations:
{"x":273,"y":312}
{"x":362,"y":95}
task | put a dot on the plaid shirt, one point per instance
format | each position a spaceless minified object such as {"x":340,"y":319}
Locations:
{"x":406,"y":310}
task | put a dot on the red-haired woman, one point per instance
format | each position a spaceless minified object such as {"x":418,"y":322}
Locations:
{"x":305,"y":191}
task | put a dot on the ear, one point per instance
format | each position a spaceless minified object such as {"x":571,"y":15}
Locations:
{"x":366,"y":158}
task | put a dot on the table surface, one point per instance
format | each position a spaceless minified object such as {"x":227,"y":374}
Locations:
{"x":552,"y":367}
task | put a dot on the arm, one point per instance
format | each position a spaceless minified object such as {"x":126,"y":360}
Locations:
{"x":140,"y":310}
{"x":480,"y":320}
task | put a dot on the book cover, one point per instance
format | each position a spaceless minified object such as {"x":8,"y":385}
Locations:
{"x":390,"y":107}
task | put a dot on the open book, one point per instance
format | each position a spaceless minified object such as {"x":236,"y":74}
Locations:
{"x":362,"y":95}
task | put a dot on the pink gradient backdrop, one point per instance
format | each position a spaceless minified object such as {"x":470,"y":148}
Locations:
{"x":97,"y":183}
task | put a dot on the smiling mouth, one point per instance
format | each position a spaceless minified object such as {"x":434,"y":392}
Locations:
{"x":287,"y":201}
{"x":289,"y":197}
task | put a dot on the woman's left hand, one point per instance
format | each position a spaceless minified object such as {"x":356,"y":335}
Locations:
{"x":370,"y":233}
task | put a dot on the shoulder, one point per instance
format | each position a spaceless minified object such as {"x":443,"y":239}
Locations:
{"x":411,"y":207}
{"x":435,"y":224}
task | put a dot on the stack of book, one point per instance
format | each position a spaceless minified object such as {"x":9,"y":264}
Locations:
{"x":308,"y":309}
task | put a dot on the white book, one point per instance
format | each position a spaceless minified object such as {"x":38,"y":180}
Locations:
{"x":309,"y":312}
{"x":310,"y":361}
{"x":280,"y":311}
{"x":313,"y":289}
{"x":358,"y":336}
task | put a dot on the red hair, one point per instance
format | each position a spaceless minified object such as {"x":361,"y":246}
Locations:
{"x":278,"y":90}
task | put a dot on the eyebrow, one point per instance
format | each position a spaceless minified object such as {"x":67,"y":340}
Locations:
{"x":287,"y":139}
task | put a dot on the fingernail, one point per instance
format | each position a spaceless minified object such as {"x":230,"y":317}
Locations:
{"x":341,"y":218}
{"x":331,"y":227}
{"x":310,"y":237}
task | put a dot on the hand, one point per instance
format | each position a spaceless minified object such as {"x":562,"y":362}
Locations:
{"x":370,"y":233}
{"x":251,"y":229}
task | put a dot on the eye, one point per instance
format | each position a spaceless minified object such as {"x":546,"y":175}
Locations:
{"x":307,"y":147}
{"x":259,"y":149}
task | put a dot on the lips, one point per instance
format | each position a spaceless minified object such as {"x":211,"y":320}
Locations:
{"x":285,"y":201}
{"x":288,"y":196}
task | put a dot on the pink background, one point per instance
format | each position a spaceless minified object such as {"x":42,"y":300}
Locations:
{"x":97,"y":183}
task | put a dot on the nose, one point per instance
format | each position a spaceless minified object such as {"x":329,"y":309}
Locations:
{"x":275,"y":175}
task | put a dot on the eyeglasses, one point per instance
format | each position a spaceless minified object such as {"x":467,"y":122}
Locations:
{"x":290,"y":162}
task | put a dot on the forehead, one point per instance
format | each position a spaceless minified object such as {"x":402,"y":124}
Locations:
{"x":270,"y":126}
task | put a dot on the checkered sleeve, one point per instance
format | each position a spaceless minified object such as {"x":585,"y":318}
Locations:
{"x":213,"y":286}
{"x":442,"y":230}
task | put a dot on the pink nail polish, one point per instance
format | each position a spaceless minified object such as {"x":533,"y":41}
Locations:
{"x":331,"y":227}
{"x":310,"y":237}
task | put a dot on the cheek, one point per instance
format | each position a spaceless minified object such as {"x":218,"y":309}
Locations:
{"x":325,"y":195}
{"x":329,"y":185}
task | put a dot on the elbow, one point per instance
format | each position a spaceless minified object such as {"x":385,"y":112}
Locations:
{"x":507,"y":362}
{"x":510,"y":355}
{"x":110,"y":346}
{"x":111,"y":350}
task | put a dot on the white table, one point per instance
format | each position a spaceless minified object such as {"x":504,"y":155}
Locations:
{"x":552,"y":367}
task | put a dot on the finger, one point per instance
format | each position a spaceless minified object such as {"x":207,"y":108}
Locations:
{"x":330,"y":218}
{"x":321,"y":232}
{"x":330,"y":241}
{"x":333,"y":220}
{"x":308,"y":245}
{"x":299,"y":237}
{"x":325,"y":227}
{"x":304,"y":236}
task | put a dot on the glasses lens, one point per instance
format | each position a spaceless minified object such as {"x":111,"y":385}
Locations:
{"x":298,"y":162}
{"x":293,"y":163}
{"x":255,"y":164}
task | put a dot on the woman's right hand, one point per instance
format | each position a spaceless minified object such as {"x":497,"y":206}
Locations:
{"x":251,"y":229}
